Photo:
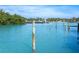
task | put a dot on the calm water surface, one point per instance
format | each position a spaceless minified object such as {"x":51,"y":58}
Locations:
{"x":50,"y":37}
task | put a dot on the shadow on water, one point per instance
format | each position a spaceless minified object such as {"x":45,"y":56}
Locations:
{"x":75,"y":38}
{"x":77,"y":42}
{"x":78,"y":38}
{"x":78,"y":34}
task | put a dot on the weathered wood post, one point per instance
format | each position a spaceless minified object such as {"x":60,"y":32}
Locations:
{"x":56,"y":24}
{"x":74,"y":19}
{"x":64,"y":24}
{"x":68,"y":25}
{"x":33,"y":37}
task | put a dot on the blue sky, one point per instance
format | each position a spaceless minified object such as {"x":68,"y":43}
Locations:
{"x":45,"y":11}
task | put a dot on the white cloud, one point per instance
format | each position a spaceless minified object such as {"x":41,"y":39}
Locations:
{"x":42,"y":11}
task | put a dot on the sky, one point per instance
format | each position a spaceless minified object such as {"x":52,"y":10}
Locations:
{"x":44,"y":11}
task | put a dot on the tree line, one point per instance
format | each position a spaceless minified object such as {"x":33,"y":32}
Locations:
{"x":7,"y":18}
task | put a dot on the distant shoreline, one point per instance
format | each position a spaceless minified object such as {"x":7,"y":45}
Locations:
{"x":7,"y":18}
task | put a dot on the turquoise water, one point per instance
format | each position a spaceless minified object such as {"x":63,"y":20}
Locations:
{"x":50,"y":37}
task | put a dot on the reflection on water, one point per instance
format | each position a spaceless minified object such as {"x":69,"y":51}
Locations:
{"x":56,"y":39}
{"x":50,"y":37}
{"x":15,"y":38}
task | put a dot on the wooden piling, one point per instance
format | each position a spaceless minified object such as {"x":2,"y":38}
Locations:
{"x":74,"y":19}
{"x":33,"y":37}
{"x":64,"y":24}
{"x":56,"y":24}
{"x":68,"y":26}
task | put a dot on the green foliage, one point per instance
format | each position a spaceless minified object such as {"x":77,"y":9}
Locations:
{"x":6,"y":18}
{"x":74,"y":19}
